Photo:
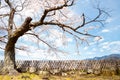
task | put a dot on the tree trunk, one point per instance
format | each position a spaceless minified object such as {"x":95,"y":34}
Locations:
{"x":9,"y":57}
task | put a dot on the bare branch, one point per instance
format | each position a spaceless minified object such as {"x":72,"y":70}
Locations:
{"x":11,"y":17}
{"x":65,"y":26}
{"x":3,"y":6}
{"x":55,"y":8}
{"x":3,"y":41}
{"x":22,"y":49}
{"x":3,"y":28}
{"x":83,"y":22}
{"x":97,"y":17}
{"x":9,"y":4}
{"x":51,"y":14}
{"x":48,"y":12}
{"x":4,"y":15}
{"x":2,"y":48}
{"x":63,"y":14}
{"x":51,"y":47}
{"x":40,"y":39}
{"x":24,"y":28}
{"x":3,"y":24}
{"x":14,"y":25}
{"x":58,"y":24}
{"x":3,"y":36}
{"x":22,"y":6}
{"x":10,"y":22}
{"x":15,"y":47}
{"x":73,"y":34}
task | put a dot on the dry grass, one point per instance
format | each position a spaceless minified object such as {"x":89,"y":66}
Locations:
{"x":28,"y":76}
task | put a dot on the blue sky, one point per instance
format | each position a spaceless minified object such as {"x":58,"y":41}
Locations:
{"x":110,"y":32}
{"x":109,"y":44}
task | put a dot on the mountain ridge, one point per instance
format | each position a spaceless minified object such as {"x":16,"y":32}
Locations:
{"x":106,"y":57}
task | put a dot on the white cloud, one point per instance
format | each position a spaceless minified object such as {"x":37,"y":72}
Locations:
{"x":85,"y":48}
{"x":103,"y":47}
{"x":106,"y":47}
{"x":115,"y":42}
{"x":111,"y":29}
{"x":90,"y":53}
{"x":105,"y":31}
{"x":101,"y":50}
{"x":111,"y":47}
{"x":97,"y":38}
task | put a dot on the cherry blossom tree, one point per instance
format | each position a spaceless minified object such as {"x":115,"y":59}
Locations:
{"x":36,"y":18}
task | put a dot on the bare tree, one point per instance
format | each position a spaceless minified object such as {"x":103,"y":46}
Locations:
{"x":47,"y":14}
